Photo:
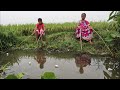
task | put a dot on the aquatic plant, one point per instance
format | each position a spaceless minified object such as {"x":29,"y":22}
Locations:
{"x":13,"y":76}
{"x":48,"y":75}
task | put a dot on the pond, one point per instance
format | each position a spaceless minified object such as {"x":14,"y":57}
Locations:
{"x":71,"y":65}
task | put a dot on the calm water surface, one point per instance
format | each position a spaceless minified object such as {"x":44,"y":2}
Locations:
{"x":71,"y":65}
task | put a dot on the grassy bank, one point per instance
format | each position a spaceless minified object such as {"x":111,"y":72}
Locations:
{"x":59,"y":37}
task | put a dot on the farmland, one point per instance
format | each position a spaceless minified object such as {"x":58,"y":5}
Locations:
{"x":58,"y":37}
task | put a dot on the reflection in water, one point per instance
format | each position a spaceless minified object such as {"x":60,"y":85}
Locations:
{"x":82,"y":60}
{"x":66,"y":64}
{"x":114,"y":65}
{"x":40,"y":58}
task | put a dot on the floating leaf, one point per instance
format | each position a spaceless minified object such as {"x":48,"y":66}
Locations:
{"x":11,"y":76}
{"x":20,"y":75}
{"x":48,"y":75}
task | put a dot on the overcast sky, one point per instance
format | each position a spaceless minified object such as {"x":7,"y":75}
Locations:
{"x":23,"y":17}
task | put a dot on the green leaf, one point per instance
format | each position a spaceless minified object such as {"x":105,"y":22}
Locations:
{"x":114,"y":16}
{"x":107,"y":75}
{"x":108,"y":38}
{"x":111,"y":17}
{"x":11,"y":76}
{"x":111,"y":13}
{"x":115,"y":35}
{"x":4,"y":67}
{"x":48,"y":75}
{"x":20,"y":75}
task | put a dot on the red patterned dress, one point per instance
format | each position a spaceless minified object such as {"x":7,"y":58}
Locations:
{"x":84,"y":30}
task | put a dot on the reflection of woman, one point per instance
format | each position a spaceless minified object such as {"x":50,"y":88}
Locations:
{"x":40,"y":57}
{"x":82,"y":61}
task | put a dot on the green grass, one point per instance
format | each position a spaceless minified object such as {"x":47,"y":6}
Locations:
{"x":59,"y":37}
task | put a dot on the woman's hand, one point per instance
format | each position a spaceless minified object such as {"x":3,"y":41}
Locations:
{"x":34,"y":31}
{"x":79,"y":26}
{"x":89,"y":27}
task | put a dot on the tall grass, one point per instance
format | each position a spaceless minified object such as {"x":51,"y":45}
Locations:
{"x":58,"y":36}
{"x":27,"y":29}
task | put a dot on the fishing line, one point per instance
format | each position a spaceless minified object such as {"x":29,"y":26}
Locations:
{"x":104,"y":42}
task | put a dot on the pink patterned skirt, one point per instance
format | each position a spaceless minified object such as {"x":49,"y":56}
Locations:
{"x":40,"y":32}
{"x":86,"y":34}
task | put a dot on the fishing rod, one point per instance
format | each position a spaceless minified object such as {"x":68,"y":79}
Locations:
{"x":38,"y":41}
{"x":81,"y":40}
{"x":103,"y":42}
{"x":18,"y":44}
{"x":101,"y":39}
{"x":26,"y":39}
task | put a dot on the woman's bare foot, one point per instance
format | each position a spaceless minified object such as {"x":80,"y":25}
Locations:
{"x":80,"y":40}
{"x":91,"y":42}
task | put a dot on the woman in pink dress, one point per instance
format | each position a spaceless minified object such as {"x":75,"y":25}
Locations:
{"x":84,"y":30}
{"x":39,"y":29}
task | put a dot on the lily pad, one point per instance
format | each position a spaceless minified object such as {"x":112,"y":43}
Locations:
{"x":48,"y":75}
{"x":20,"y":75}
{"x":12,"y":76}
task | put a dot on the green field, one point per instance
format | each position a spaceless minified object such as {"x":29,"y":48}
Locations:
{"x":59,"y":37}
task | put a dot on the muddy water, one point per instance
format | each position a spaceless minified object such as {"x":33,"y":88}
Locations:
{"x":70,"y":65}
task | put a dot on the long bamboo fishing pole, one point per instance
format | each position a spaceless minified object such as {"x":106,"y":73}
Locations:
{"x":81,"y":40}
{"x":19,"y":44}
{"x":104,"y":42}
{"x":26,"y":39}
{"x":38,"y":41}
